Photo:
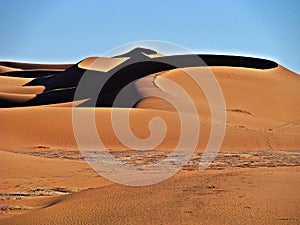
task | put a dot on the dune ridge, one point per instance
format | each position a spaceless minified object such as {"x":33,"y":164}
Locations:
{"x":138,"y":65}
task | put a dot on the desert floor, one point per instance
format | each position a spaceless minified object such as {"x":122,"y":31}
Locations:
{"x":239,"y":188}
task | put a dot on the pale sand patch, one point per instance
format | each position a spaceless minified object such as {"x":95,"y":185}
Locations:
{"x":23,"y":173}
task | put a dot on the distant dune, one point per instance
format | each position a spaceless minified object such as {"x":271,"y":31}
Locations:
{"x":34,"y":66}
{"x":263,"y":114}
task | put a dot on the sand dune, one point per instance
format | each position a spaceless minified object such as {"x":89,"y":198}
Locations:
{"x":16,"y":98}
{"x":14,"y":81}
{"x":122,"y":71}
{"x":34,"y":66}
{"x":261,"y":113}
{"x":251,"y":124}
{"x":43,"y":166}
{"x":4,"y":69}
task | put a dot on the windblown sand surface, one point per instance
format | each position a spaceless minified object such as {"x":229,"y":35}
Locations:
{"x":231,"y":196}
{"x":254,"y":180}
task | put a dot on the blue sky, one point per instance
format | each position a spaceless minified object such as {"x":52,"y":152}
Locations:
{"x":68,"y":31}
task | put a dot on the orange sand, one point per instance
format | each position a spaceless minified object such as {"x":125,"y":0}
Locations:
{"x":262,"y":114}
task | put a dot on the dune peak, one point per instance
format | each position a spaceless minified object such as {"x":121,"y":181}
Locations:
{"x":139,"y":51}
